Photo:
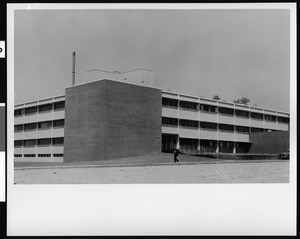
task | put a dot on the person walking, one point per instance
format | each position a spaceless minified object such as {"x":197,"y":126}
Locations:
{"x":176,"y":156}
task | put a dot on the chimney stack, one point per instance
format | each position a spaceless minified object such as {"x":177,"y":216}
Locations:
{"x":73,"y":69}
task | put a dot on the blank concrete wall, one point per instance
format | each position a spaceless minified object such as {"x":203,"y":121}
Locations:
{"x":269,"y":142}
{"x":109,"y":119}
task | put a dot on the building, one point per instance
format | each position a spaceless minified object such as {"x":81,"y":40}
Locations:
{"x":123,"y":115}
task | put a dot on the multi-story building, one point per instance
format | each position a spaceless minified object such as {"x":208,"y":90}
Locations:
{"x":187,"y":122}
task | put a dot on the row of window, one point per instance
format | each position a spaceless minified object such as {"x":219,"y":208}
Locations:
{"x":209,"y":125}
{"x":222,"y":110}
{"x":39,"y":155}
{"x":40,"y":108}
{"x":40,"y":125}
{"x":39,"y":142}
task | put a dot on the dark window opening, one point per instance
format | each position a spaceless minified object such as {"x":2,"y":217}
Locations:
{"x":208,"y":125}
{"x":283,"y":120}
{"x":188,"y":105}
{"x":18,"y":112}
{"x":18,"y":143}
{"x":44,"y":141}
{"x":226,"y":111}
{"x":208,"y":108}
{"x":31,"y":110}
{"x":270,"y":118}
{"x":58,"y":141}
{"x":58,"y":123}
{"x":19,"y":127}
{"x":31,"y":126}
{"x":256,"y":116}
{"x":242,"y":129}
{"x":59,"y":105}
{"x":29,"y":142}
{"x":46,"y":107}
{"x":226,"y":127}
{"x":45,"y":125}
{"x":242,"y":113}
{"x":169,"y":102}
{"x":169,"y":121}
{"x":189,"y":123}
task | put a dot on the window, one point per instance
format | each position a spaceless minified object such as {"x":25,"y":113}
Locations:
{"x":189,"y":123}
{"x":18,"y":112}
{"x":188,"y":105}
{"x":226,"y":144}
{"x":45,"y":125}
{"x":242,"y":129}
{"x":30,"y":110}
{"x":253,"y":130}
{"x":270,"y":118}
{"x":19,"y":127}
{"x":59,"y":105}
{"x":225,"y":111}
{"x":31,"y":126}
{"x":29,"y":155}
{"x":208,"y":125}
{"x":46,"y":107}
{"x":169,"y":102}
{"x":17,"y":155}
{"x":226,"y":127}
{"x":242,"y":113}
{"x":58,"y":141}
{"x":44,"y":141}
{"x":58,"y":155}
{"x":58,"y":123}
{"x":18,"y":143}
{"x":169,"y":121}
{"x":44,"y":155}
{"x":29,"y":142}
{"x":208,"y":108}
{"x":283,"y":119}
{"x":256,"y":116}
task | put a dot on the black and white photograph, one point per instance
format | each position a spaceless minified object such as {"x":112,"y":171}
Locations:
{"x":159,"y":97}
{"x":113,"y":92}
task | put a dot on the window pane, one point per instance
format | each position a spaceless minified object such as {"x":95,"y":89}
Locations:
{"x":58,"y":123}
{"x":46,"y":107}
{"x":169,"y":102}
{"x":45,"y":125}
{"x":58,"y":141}
{"x":18,"y":112}
{"x":59,"y":105}
{"x":31,"y":110}
{"x":19,"y":127}
{"x":29,"y":142}
{"x":44,"y":141}
{"x":30,"y":126}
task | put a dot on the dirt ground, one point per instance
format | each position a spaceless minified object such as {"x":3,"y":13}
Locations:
{"x":226,"y":171}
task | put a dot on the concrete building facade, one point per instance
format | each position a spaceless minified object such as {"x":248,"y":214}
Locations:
{"x":106,"y":119}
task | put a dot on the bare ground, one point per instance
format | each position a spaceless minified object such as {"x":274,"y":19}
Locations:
{"x":156,"y":169}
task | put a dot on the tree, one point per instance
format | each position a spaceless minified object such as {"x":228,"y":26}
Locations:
{"x":216,"y":97}
{"x":243,"y":100}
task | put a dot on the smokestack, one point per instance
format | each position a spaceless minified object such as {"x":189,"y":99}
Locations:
{"x":73,"y":69}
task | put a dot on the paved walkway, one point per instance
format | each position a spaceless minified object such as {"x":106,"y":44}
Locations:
{"x":156,"y":169}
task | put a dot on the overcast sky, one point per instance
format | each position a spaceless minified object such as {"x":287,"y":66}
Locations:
{"x":230,"y":53}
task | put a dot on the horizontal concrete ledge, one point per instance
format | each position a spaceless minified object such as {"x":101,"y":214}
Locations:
{"x":209,"y":161}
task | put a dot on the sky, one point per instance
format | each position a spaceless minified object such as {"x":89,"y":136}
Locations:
{"x":200,"y":52}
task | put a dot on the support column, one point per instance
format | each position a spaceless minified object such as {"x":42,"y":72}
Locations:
{"x":218,"y":147}
{"x":177,"y":143}
{"x":234,"y":147}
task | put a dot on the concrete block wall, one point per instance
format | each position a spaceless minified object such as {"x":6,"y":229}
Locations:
{"x":109,"y":119}
{"x":269,"y":142}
